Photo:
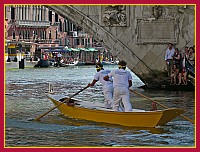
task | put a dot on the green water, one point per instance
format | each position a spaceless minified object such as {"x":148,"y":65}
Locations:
{"x":26,"y":100}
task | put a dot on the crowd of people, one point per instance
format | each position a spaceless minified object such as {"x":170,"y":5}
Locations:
{"x":116,"y":91}
{"x":176,"y":63}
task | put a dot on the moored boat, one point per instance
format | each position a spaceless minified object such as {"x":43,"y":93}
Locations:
{"x":189,"y":68}
{"x":42,"y":63}
{"x":109,"y":62}
{"x":97,"y":113}
{"x":190,"y":71}
{"x":74,"y":63}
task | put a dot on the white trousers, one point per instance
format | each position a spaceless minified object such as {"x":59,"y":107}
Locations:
{"x":121,"y":94}
{"x":108,"y":95}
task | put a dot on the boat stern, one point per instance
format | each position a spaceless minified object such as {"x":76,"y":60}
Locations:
{"x":169,"y":114}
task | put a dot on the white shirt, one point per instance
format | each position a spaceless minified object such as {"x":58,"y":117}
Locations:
{"x":59,"y":55}
{"x":99,"y":77}
{"x":121,"y":78}
{"x":169,"y":53}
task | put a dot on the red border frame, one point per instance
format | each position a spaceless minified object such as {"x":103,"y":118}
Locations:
{"x":2,"y":73}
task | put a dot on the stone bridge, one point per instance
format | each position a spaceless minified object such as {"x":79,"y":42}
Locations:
{"x":137,"y":34}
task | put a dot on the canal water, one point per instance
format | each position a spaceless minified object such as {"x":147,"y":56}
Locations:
{"x":26,"y":100}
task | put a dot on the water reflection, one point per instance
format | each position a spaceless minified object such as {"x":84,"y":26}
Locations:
{"x":26,"y":100}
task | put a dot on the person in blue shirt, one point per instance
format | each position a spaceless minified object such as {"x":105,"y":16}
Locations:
{"x":169,"y":58}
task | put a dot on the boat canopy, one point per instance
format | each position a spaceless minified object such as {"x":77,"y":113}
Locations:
{"x":88,"y":49}
{"x":51,"y":47}
{"x":92,"y":50}
{"x":63,"y":51}
{"x":83,"y":49}
{"x":71,"y":49}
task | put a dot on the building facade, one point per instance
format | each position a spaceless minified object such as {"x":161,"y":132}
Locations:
{"x":31,"y":27}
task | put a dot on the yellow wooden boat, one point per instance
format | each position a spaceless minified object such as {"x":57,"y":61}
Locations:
{"x":96,"y":112}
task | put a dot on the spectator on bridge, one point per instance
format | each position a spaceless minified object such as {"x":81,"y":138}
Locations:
{"x":177,"y":57}
{"x":122,"y":81}
{"x":177,"y":60}
{"x":191,"y":57}
{"x":185,"y":54}
{"x":182,"y":77}
{"x":168,"y":58}
{"x":174,"y":74}
{"x":188,"y":54}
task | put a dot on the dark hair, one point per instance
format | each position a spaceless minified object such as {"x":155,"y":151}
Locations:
{"x":192,"y":48}
{"x":122,"y":63}
{"x":177,"y":49}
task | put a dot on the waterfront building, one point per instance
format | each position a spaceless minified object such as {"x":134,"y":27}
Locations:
{"x":29,"y":29}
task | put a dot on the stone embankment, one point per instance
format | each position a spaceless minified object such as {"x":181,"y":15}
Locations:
{"x":27,"y":64}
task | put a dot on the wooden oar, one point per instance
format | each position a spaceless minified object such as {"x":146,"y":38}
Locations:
{"x":186,"y":118}
{"x":66,"y":100}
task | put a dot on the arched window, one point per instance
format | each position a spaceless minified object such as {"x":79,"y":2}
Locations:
{"x":67,"y":25}
{"x":23,"y":34}
{"x":50,"y":16}
{"x":41,"y":13}
{"x":66,"y":41}
{"x":78,"y":41}
{"x":60,"y":27}
{"x":34,"y":13}
{"x":56,"y":34}
{"x":12,"y":13}
{"x":44,"y":34}
{"x":56,"y":17}
{"x":41,"y":34}
{"x":82,"y":41}
{"x":20,"y":35}
{"x":49,"y":34}
{"x":34,"y":34}
{"x":13,"y":34}
{"x":27,"y":34}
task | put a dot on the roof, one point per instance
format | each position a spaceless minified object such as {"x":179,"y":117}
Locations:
{"x":63,"y":49}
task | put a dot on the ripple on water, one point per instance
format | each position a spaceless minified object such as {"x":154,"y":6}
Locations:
{"x":26,"y":100}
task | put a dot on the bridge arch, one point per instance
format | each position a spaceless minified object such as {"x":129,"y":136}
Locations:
{"x":136,"y":34}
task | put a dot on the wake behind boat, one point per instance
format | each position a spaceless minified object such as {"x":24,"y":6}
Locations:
{"x":98,"y":113}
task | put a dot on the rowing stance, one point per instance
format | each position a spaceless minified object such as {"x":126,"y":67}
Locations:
{"x":107,"y":85}
{"x":121,"y":83}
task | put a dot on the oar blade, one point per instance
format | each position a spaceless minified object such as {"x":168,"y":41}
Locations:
{"x":65,"y":100}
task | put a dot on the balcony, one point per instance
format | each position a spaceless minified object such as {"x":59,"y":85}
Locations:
{"x":28,"y":23}
{"x":48,"y":41}
{"x":73,"y":34}
{"x":82,"y":34}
